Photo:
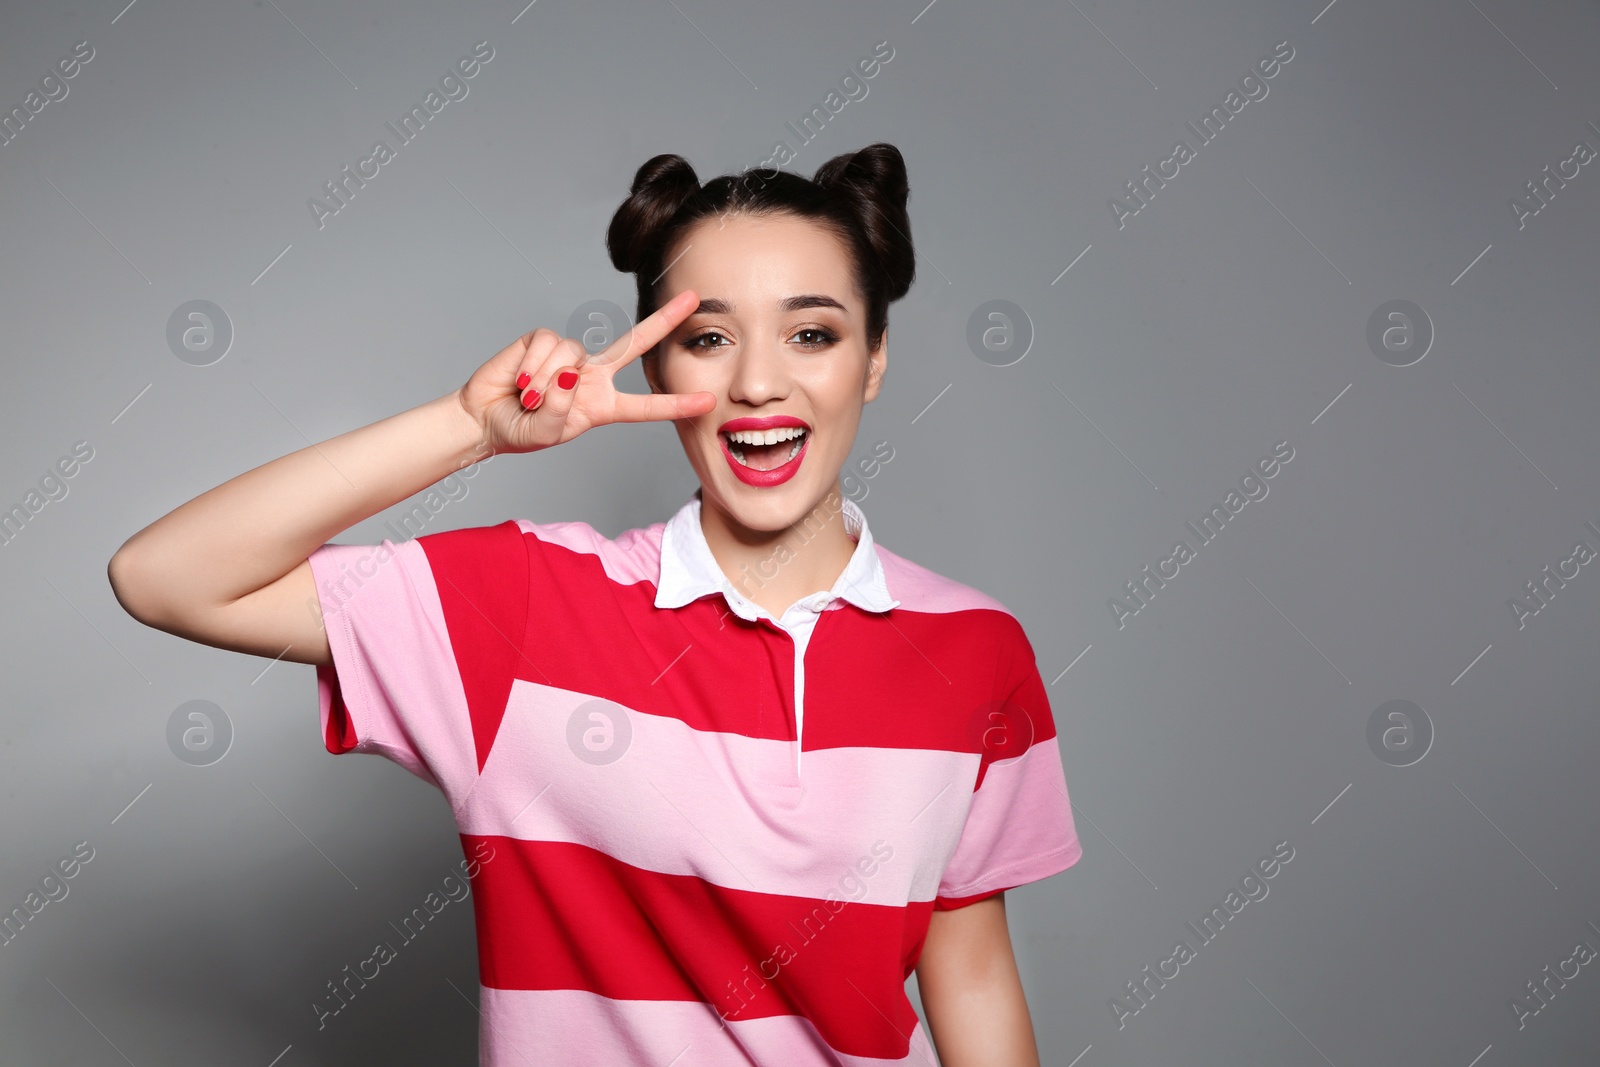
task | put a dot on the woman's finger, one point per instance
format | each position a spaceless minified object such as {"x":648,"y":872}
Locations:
{"x":562,"y":352}
{"x":541,"y":343}
{"x":654,"y":407}
{"x":649,"y":331}
{"x":559,"y":394}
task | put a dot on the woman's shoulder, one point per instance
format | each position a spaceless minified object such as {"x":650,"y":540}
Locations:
{"x":575,"y":535}
{"x":923,"y":590}
{"x":979,"y":622}
{"x":579,"y":533}
{"x":631,"y":555}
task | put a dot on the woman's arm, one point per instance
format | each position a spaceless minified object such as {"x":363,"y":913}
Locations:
{"x":229,"y":567}
{"x":971,"y":991}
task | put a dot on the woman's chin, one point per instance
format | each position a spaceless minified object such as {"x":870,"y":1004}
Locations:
{"x":769,"y":508}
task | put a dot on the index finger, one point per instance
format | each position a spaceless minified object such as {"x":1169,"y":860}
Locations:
{"x":649,"y":331}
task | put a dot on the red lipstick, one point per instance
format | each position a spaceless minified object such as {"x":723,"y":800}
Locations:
{"x":750,"y":475}
{"x":764,"y":422}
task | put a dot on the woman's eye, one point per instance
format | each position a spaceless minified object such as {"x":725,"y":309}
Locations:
{"x":823,"y":337}
{"x":694,"y":342}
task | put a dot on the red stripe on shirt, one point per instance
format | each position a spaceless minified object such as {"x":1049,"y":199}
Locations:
{"x":555,"y":915}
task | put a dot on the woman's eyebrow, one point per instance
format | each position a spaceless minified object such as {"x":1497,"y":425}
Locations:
{"x":717,"y":306}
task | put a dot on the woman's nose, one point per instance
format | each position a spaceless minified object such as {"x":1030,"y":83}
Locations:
{"x":759,"y":373}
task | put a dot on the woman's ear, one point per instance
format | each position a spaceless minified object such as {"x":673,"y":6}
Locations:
{"x":877,"y":365}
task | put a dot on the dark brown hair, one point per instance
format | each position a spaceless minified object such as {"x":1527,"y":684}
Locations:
{"x":860,"y":197}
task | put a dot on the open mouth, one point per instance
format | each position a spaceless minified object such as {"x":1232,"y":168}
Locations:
{"x":765,"y":450}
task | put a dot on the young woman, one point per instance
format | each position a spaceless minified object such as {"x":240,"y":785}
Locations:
{"x":728,"y":778}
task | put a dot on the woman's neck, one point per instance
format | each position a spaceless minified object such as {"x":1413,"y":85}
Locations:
{"x":775,"y":568}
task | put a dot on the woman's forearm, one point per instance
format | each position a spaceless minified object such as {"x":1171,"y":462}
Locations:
{"x":985,"y":1024}
{"x":251,"y":530}
{"x":971,"y":990}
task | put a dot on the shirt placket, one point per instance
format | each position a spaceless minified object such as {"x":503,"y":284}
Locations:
{"x":809,"y":612}
{"x":798,"y":624}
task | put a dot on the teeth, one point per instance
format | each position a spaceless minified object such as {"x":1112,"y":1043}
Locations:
{"x":793,"y":452}
{"x":765,"y":437}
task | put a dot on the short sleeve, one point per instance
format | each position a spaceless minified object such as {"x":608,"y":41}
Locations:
{"x":1019,"y":827}
{"x":426,"y":637}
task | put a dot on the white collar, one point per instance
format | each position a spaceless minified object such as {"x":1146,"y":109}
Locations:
{"x":689,"y":570}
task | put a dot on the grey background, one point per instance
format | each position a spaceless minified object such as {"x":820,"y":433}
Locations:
{"x":1228,"y":315}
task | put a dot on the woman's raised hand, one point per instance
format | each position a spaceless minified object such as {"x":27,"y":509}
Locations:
{"x":544,"y":389}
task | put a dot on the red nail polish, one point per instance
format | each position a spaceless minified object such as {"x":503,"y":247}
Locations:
{"x":523,"y":379}
{"x":567,"y":379}
{"x":530,"y":398}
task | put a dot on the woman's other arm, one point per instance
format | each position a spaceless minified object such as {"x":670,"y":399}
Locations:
{"x":971,"y":991}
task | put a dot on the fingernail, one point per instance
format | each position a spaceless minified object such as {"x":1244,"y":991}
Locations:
{"x":530,"y":398}
{"x":523,"y":379}
{"x":567,"y":379}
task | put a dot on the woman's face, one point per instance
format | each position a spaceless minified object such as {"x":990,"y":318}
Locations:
{"x":780,"y":337}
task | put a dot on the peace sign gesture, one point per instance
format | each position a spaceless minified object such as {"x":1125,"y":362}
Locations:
{"x":566,"y":391}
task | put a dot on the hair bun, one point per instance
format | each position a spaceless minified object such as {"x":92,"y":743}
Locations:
{"x":660,"y":187}
{"x":873,"y":181}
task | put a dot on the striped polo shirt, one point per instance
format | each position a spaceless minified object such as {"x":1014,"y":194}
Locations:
{"x":621,"y":730}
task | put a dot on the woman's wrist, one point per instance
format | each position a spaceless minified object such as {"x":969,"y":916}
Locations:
{"x":470,"y":439}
